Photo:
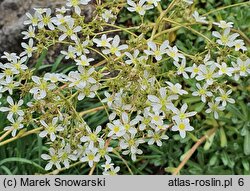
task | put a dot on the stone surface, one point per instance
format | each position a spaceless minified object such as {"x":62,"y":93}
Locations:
{"x":12,"y":15}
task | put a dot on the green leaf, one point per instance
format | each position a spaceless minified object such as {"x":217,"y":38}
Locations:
{"x":199,"y":106}
{"x":209,"y":142}
{"x":213,"y":160}
{"x":22,"y":160}
{"x":170,"y":169}
{"x":57,"y":62}
{"x":245,"y":164}
{"x":224,"y":158}
{"x":223,"y":138}
{"x":234,"y":110}
{"x":40,"y":60}
{"x":247,"y":143}
{"x":8,"y":172}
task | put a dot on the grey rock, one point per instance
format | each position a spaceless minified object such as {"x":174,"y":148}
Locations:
{"x":12,"y":16}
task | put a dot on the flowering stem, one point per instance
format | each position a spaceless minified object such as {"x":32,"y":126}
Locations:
{"x":193,"y":149}
{"x":106,"y":58}
{"x":121,"y":28}
{"x":125,"y":162}
{"x":20,"y":136}
{"x":242,"y":34}
{"x":91,"y":110}
{"x":226,"y":7}
{"x":189,"y":28}
{"x":5,"y":134}
{"x":92,"y":169}
{"x":57,"y":171}
{"x":118,"y":29}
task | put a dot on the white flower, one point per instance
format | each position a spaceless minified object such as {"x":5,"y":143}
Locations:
{"x":33,"y":20}
{"x":224,"y":97}
{"x":131,"y":143}
{"x":13,"y":109}
{"x":69,"y":31}
{"x":156,"y":118}
{"x":7,"y":72}
{"x":92,"y":137}
{"x":61,"y":19}
{"x":30,"y":33}
{"x":202,"y":91}
{"x":115,"y":48}
{"x":103,"y":42}
{"x":65,"y":155}
{"x":173,"y":53}
{"x":53,"y":159}
{"x":109,"y":99}
{"x":17,"y":65}
{"x":128,"y":125}
{"x":181,"y":114}
{"x":84,"y":61}
{"x":51,"y":129}
{"x":76,"y":4}
{"x":132,"y":58}
{"x":40,"y":10}
{"x":10,"y":56}
{"x":82,"y":79}
{"x":156,"y":137}
{"x":239,"y":44}
{"x":88,"y":91}
{"x":242,"y":68}
{"x":214,"y":108}
{"x":103,"y":150}
{"x":181,"y":68}
{"x":198,"y":18}
{"x":224,"y":69}
{"x":55,"y":77}
{"x":190,"y":2}
{"x":15,"y":126}
{"x":176,"y":88}
{"x":91,"y":157}
{"x":182,"y":126}
{"x":225,"y":39}
{"x":155,"y":51}
{"x":193,"y":69}
{"x":41,"y":86}
{"x":140,"y":8}
{"x":144,"y":120}
{"x":107,"y":15}
{"x":29,"y":48}
{"x":207,"y":73}
{"x":164,"y":102}
{"x":62,"y":10}
{"x":45,"y":20}
{"x":116,"y":128}
{"x":224,"y":24}
{"x":81,"y":47}
{"x":9,"y":85}
{"x":112,"y":171}
{"x":71,"y":53}
{"x":107,"y":165}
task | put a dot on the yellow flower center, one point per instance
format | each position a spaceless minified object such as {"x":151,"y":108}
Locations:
{"x":113,"y":50}
{"x":14,"y":108}
{"x":224,"y":39}
{"x":51,"y":129}
{"x":91,"y":157}
{"x":116,"y":129}
{"x":181,"y":126}
{"x":93,"y":137}
{"x":138,"y":8}
{"x":131,"y":142}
